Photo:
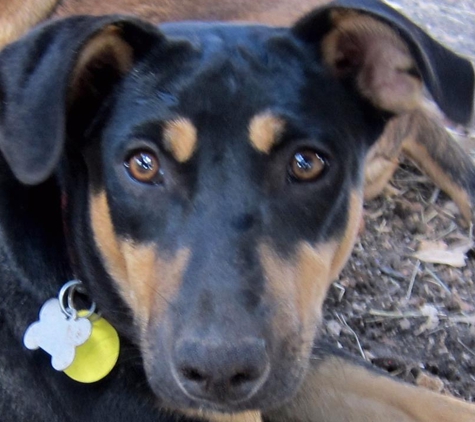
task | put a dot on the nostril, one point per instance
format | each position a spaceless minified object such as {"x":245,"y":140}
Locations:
{"x":193,"y":374}
{"x":220,"y":371}
{"x":242,"y":378}
{"x":243,"y":222}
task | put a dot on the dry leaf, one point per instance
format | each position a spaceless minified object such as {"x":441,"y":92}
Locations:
{"x":454,"y":259}
{"x":464,"y":246}
{"x":439,"y":253}
{"x":428,"y":245}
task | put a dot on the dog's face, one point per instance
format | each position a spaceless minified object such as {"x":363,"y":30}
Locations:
{"x":213,"y":176}
{"x":226,"y":196}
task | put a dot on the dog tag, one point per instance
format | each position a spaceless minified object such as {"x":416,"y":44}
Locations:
{"x":57,"y":334}
{"x":81,"y":343}
{"x":98,"y":355}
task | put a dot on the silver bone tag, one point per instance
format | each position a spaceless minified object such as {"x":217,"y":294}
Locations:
{"x":57,"y":334}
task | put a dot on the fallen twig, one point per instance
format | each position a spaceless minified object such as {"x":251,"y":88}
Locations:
{"x":438,"y":281}
{"x":343,"y":321}
{"x":413,"y":279}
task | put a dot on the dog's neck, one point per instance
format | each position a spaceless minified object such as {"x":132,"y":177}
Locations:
{"x":31,"y":233}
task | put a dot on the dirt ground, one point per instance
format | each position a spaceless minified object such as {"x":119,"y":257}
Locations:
{"x":412,"y":318}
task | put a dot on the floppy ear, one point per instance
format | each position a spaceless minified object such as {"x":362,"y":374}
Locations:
{"x":388,"y":57}
{"x":46,"y":72}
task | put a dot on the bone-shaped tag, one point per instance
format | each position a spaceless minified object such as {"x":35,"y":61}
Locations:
{"x":57,"y":334}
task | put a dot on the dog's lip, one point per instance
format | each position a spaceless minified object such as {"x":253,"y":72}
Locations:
{"x":261,"y":400}
{"x":177,"y":398}
{"x":271,"y":393}
{"x":210,"y":406}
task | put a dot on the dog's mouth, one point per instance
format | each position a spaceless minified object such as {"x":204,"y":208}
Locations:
{"x":225,"y":378}
{"x":221,"y":398}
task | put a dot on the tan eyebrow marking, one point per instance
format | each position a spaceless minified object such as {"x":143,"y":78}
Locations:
{"x":265,"y":130}
{"x":180,"y":138}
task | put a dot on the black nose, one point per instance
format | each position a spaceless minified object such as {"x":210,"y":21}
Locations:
{"x":221,"y":371}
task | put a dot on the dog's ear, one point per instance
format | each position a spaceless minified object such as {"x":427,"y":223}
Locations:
{"x":388,"y":57}
{"x":48,"y":70}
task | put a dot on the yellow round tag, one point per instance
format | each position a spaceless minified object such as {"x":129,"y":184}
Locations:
{"x":98,"y":355}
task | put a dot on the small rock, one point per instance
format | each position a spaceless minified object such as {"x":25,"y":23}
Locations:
{"x":405,"y":324}
{"x":369,"y":356}
{"x":334,"y":328}
{"x":431,"y":382}
{"x":451,"y":208}
{"x":358,"y":307}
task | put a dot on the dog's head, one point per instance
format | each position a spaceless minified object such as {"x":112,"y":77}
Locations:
{"x":214,"y":175}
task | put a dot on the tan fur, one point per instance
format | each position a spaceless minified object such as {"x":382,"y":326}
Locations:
{"x":418,"y":153}
{"x":378,"y":173}
{"x":421,"y":137}
{"x":298,"y":286}
{"x":105,"y":237}
{"x":347,"y":241}
{"x":106,"y":46}
{"x":273,"y":12}
{"x":147,"y":281}
{"x":17,"y":17}
{"x":140,"y":282}
{"x":336,"y":390}
{"x":180,"y":138}
{"x":251,"y":416}
{"x":378,"y":56}
{"x":382,"y":159}
{"x":265,"y":130}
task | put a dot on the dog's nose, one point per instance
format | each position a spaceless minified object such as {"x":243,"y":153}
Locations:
{"x":221,"y":371}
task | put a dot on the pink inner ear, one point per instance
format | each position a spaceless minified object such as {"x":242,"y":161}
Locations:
{"x":386,"y":77}
{"x":372,"y":53}
{"x":349,"y":55}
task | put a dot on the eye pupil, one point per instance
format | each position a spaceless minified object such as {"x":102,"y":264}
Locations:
{"x":303,"y":162}
{"x":144,"y":167}
{"x":306,"y":165}
{"x":144,"y":163}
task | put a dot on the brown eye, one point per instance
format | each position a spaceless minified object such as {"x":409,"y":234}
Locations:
{"x":306,"y":165}
{"x":144,"y":167}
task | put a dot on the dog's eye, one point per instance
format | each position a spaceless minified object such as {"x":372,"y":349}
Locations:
{"x":144,"y":167}
{"x":306,"y":165}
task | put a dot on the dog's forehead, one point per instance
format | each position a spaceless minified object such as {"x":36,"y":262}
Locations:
{"x":221,"y":76}
{"x":206,"y":35}
{"x":245,"y":65}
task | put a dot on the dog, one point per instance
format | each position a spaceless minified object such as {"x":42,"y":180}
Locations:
{"x":205,"y":183}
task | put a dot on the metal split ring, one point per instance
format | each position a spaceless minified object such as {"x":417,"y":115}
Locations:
{"x":66,"y":300}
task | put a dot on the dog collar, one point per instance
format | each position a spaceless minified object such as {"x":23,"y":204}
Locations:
{"x":82,"y":344}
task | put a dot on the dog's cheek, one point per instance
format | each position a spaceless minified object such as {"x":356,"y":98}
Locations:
{"x":297,"y":287}
{"x":106,"y":240}
{"x":347,"y":241}
{"x":295,"y":290}
{"x":146,"y":281}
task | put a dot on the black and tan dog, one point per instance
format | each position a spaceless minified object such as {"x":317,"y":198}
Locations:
{"x":205,"y":182}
